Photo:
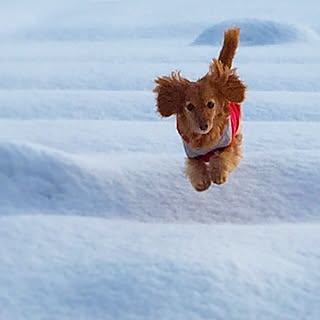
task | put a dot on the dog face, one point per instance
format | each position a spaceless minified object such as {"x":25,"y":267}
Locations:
{"x":200,"y":103}
{"x":200,"y":107}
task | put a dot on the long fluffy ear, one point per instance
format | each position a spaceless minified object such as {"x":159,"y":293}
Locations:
{"x":170,"y":93}
{"x":230,"y":44}
{"x":227,"y":82}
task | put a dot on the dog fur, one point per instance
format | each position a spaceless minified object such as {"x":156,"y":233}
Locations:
{"x":202,"y":112}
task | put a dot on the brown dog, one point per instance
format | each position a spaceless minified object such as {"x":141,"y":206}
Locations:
{"x":208,"y":116}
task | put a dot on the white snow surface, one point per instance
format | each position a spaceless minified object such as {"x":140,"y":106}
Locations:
{"x":88,"y":268}
{"x":97,"y":220}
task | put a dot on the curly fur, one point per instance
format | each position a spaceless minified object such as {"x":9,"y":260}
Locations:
{"x":199,"y":125}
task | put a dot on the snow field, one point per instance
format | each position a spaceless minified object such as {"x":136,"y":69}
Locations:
{"x":97,"y":220}
{"x":123,"y":270}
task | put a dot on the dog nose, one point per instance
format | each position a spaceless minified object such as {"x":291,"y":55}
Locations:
{"x":204,"y":127}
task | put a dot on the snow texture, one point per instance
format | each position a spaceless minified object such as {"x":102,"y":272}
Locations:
{"x":98,"y":221}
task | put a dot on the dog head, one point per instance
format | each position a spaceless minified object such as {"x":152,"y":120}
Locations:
{"x":199,"y":103}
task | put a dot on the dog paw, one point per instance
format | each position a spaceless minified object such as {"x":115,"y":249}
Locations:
{"x":219,"y":177}
{"x":201,"y":185}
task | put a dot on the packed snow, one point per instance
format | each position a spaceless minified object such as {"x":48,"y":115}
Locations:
{"x":98,"y":221}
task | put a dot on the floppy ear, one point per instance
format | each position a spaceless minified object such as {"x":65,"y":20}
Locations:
{"x":227,"y":82}
{"x":170,"y":94}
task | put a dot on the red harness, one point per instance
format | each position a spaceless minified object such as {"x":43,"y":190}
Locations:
{"x":235,"y":116}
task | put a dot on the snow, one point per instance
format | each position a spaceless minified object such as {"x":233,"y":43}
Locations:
{"x":123,"y":270}
{"x":253,"y":32}
{"x":128,"y":76}
{"x":113,"y":178}
{"x":97,"y":220}
{"x":131,"y":105}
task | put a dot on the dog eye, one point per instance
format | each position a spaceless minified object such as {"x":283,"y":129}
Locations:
{"x":210,"y":104}
{"x":190,"y":106}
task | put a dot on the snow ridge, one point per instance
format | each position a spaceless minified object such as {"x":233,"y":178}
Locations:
{"x":48,"y":180}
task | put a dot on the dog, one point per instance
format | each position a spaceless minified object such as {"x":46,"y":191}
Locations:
{"x":208,"y":116}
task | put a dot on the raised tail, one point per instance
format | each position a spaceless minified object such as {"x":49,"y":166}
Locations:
{"x":230,"y":44}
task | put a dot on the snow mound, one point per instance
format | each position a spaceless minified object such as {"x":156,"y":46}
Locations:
{"x":113,"y":186}
{"x":37,"y":177}
{"x":254,"y":32}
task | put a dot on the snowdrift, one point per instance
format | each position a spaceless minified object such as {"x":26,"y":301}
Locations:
{"x":129,"y":186}
{"x":254,"y":32}
{"x":38,"y":178}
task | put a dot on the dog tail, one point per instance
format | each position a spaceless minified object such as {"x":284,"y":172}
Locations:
{"x":230,"y":44}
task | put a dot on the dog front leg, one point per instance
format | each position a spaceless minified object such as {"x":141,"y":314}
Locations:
{"x":197,"y":172}
{"x":222,"y":163}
